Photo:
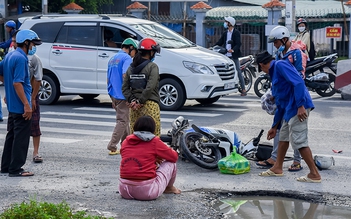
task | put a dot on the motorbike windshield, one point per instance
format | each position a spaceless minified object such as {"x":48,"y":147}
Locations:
{"x":166,"y":37}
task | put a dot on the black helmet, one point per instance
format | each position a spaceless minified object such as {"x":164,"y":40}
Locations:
{"x":301,"y":20}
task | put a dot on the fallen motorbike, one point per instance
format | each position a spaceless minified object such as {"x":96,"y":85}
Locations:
{"x":205,"y":146}
{"x":316,"y":80}
{"x":246,"y":66}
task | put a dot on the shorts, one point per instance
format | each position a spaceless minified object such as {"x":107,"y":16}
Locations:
{"x":295,"y":132}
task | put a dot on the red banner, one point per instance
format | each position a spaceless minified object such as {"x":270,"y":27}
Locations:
{"x":333,"y":32}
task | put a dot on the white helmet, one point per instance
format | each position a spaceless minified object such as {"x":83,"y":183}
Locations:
{"x":278,"y":33}
{"x":231,"y":20}
{"x":323,"y":162}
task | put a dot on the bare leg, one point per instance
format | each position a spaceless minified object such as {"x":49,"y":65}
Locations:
{"x":36,"y":141}
{"x":307,"y":156}
{"x":172,"y":190}
{"x":282,"y":149}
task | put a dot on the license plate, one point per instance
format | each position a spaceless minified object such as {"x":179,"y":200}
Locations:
{"x":229,"y":86}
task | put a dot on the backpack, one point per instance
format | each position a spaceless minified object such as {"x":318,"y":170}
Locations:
{"x":312,"y":50}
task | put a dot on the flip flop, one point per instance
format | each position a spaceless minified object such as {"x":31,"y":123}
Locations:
{"x":22,"y":174}
{"x":37,"y":159}
{"x":308,"y":180}
{"x":295,"y":167}
{"x":266,"y":164}
{"x":114,"y":152}
{"x":270,"y":173}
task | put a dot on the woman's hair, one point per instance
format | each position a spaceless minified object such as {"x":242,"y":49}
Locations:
{"x":138,"y":58}
{"x":145,"y":123}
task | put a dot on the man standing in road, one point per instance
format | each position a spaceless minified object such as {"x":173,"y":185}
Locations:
{"x":117,"y":67}
{"x":231,"y":40}
{"x":36,"y":75}
{"x":294,"y":104}
{"x":15,"y":74}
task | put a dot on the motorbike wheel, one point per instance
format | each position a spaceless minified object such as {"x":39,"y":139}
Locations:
{"x":247,"y":79}
{"x":262,"y":84}
{"x":331,"y":90}
{"x":196,"y":152}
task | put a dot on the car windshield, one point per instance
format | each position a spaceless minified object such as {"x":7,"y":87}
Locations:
{"x":164,"y":36}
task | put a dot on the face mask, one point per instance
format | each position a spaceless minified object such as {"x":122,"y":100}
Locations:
{"x":152,"y":59}
{"x":302,"y":29}
{"x":225,"y":25}
{"x":32,"y":51}
{"x":281,"y":48}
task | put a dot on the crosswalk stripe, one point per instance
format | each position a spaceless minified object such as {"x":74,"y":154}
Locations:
{"x":178,"y":113}
{"x":71,"y":121}
{"x":215,"y":108}
{"x":52,"y":140}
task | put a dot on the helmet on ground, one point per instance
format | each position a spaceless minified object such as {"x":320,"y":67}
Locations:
{"x":278,"y":33}
{"x":30,"y":35}
{"x":301,"y":20}
{"x":323,"y":162}
{"x":131,"y":42}
{"x":231,"y":20}
{"x":149,"y":44}
{"x":11,"y":24}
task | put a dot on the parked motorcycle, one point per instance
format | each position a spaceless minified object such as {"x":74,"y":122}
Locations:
{"x":205,"y":146}
{"x":246,"y":66}
{"x":316,"y":79}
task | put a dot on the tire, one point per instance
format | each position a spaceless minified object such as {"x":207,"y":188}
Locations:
{"x":190,"y":145}
{"x":262,"y":84}
{"x":172,"y":95}
{"x":88,"y":96}
{"x":208,"y":101}
{"x":331,"y":90}
{"x":247,"y":79}
{"x":49,"y":91}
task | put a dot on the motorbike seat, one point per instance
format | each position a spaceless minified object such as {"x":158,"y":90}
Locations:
{"x":245,"y":59}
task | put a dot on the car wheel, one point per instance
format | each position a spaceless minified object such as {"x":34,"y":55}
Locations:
{"x":49,"y":90}
{"x":172,"y":94}
{"x":88,"y":96}
{"x":208,"y":101}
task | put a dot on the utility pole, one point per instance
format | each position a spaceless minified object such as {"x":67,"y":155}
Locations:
{"x":45,"y":6}
{"x":290,"y":7}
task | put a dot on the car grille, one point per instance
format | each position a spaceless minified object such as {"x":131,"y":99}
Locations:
{"x":225,"y":71}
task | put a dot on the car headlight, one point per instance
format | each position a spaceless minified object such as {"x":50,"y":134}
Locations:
{"x":197,"y":68}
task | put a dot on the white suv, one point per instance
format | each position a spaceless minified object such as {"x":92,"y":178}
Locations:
{"x":75,"y":59}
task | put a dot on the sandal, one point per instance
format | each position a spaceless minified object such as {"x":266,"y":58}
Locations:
{"x":23,"y":173}
{"x":37,"y":159}
{"x":295,"y":167}
{"x":114,"y":152}
{"x":264,"y":164}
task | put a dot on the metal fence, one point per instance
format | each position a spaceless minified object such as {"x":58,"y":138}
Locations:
{"x":253,"y":32}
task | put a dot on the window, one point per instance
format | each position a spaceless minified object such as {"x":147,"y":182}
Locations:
{"x":47,"y":32}
{"x":84,"y":35}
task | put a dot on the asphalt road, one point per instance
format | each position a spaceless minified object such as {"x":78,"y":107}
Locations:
{"x":78,"y":169}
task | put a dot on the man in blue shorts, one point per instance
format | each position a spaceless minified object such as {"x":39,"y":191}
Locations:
{"x":294,"y":104}
{"x":14,"y":73}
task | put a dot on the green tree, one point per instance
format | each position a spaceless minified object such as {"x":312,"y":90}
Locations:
{"x":55,"y":6}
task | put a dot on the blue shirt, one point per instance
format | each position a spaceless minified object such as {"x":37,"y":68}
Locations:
{"x":117,"y":67}
{"x":8,"y":42}
{"x":288,"y":89}
{"x":14,"y":69}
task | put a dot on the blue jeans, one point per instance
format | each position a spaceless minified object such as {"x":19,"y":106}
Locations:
{"x":240,"y":75}
{"x":0,"y":108}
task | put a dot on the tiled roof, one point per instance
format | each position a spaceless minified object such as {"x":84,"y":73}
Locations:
{"x":303,"y":9}
{"x":201,"y":5}
{"x":72,"y":6}
{"x":136,"y":5}
{"x":273,"y":3}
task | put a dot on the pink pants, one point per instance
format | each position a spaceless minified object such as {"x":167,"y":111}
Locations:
{"x":152,"y":188}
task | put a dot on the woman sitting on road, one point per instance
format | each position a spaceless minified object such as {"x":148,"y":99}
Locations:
{"x":148,"y":166}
